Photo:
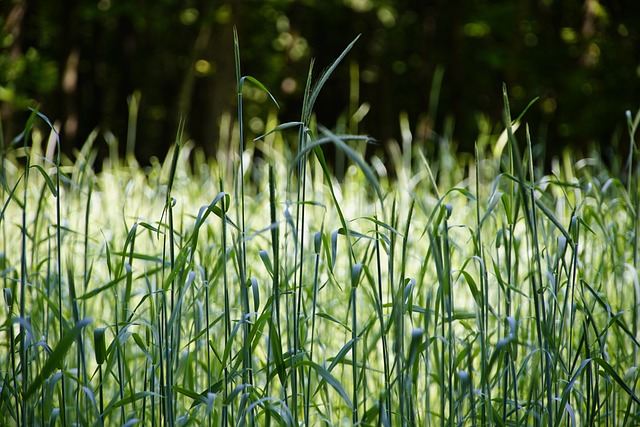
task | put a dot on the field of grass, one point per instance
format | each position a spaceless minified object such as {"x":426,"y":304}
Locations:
{"x":259,"y":290}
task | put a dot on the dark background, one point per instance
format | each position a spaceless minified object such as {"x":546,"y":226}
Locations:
{"x":80,"y":61}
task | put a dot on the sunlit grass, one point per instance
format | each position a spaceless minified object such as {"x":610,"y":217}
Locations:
{"x":257,"y":289}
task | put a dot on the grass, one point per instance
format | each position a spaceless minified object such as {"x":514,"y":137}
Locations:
{"x":259,"y":290}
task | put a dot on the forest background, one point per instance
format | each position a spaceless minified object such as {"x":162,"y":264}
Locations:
{"x":439,"y":64}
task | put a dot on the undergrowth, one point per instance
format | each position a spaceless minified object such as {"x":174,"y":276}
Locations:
{"x":259,"y":290}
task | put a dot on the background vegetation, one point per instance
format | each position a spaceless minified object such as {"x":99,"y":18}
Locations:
{"x":81,"y":60}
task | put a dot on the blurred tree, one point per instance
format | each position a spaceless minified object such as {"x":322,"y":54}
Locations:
{"x":81,"y":60}
{"x":24,"y":71}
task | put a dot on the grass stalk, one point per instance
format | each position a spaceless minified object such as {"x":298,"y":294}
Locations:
{"x":247,"y":374}
{"x":24,"y":342}
{"x":405,"y":411}
{"x":484,"y":309}
{"x":227,"y":312}
{"x":385,"y":412}
{"x":166,"y":333}
{"x":633,"y":189}
{"x":317,"y":243}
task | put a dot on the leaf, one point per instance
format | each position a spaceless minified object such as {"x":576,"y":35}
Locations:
{"x":355,"y":234}
{"x":475,"y":293}
{"x":334,"y":320}
{"x":315,"y":91}
{"x":356,"y":158}
{"x":533,"y":101}
{"x":280,"y":127}
{"x":102,"y":288}
{"x":264,"y":256}
{"x":56,"y":359}
{"x":253,"y":284}
{"x":615,"y":319}
{"x":381,"y":224}
{"x":341,"y":354}
{"x":100,"y":345}
{"x":282,"y":416}
{"x":47,"y":179}
{"x":555,"y":222}
{"x":355,"y":275}
{"x":198,"y":398}
{"x":276,"y":350}
{"x":10,"y":197}
{"x":334,"y":248}
{"x":325,"y":169}
{"x":317,"y":242}
{"x":46,"y":120}
{"x":236,"y":391}
{"x":329,"y":379}
{"x":127,"y":400}
{"x":138,"y":339}
{"x":260,"y":85}
{"x":416,"y":340}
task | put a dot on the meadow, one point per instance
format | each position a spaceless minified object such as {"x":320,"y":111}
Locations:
{"x":258,"y":289}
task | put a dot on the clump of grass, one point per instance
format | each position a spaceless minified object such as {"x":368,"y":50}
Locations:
{"x":472,"y":290}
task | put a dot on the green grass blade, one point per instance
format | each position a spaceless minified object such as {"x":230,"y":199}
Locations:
{"x":56,"y":359}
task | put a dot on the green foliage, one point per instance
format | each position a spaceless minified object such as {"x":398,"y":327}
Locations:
{"x":24,"y":76}
{"x":468,"y":291}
